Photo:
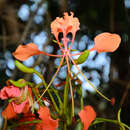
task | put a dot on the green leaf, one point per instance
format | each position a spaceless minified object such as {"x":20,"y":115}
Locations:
{"x":23,"y":68}
{"x":82,"y":58}
{"x":20,"y":83}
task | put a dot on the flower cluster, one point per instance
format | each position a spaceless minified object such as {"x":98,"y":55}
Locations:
{"x":23,"y":99}
{"x":18,"y":104}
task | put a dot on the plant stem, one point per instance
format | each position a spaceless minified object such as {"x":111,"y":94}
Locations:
{"x":81,"y":98}
{"x":71,"y":91}
{"x":66,"y":89}
{"x":36,"y":95}
{"x":47,"y":87}
{"x":72,"y":97}
{"x":58,"y":97}
{"x":100,"y":120}
{"x":44,"y":83}
{"x":24,"y":123}
{"x":65,"y":126}
{"x":5,"y":124}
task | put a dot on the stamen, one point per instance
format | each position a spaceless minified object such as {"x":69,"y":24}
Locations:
{"x":76,"y":54}
{"x":52,"y":79}
{"x":44,"y":53}
{"x":72,"y":41}
{"x":89,"y":81}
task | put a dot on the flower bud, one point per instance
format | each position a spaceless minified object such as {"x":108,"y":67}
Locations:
{"x":23,"y":68}
{"x":82,"y":58}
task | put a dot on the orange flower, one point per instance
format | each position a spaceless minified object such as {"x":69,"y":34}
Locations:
{"x":65,"y":25}
{"x":47,"y":122}
{"x":87,"y":115}
{"x":9,"y":112}
{"x":106,"y":42}
{"x":17,"y":105}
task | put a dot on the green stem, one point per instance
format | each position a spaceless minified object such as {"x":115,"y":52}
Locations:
{"x":65,"y":126}
{"x":81,"y":98}
{"x":118,"y":116}
{"x":54,"y":90}
{"x":66,"y":89}
{"x":71,"y":91}
{"x":24,"y":123}
{"x":5,"y":124}
{"x":36,"y":95}
{"x":44,"y":83}
{"x":65,"y":108}
{"x":57,"y":95}
{"x":72,"y":98}
{"x":100,"y":120}
{"x":38,"y":85}
{"x":47,"y":86}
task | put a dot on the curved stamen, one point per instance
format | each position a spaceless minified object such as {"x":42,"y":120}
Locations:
{"x":52,"y":79}
{"x":89,"y":81}
{"x":76,"y":54}
{"x":44,"y":53}
{"x":72,"y":42}
{"x":59,"y":44}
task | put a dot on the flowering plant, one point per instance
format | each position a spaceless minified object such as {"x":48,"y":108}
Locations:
{"x":28,"y":100}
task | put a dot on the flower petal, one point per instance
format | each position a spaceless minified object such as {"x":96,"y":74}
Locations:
{"x":87,"y":115}
{"x":47,"y":122}
{"x":23,"y":52}
{"x":9,"y":92}
{"x":9,"y":112}
{"x":113,"y":101}
{"x":106,"y":42}
{"x":65,"y":25}
{"x":19,"y":108}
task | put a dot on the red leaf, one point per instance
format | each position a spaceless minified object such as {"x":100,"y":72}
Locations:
{"x":87,"y":115}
